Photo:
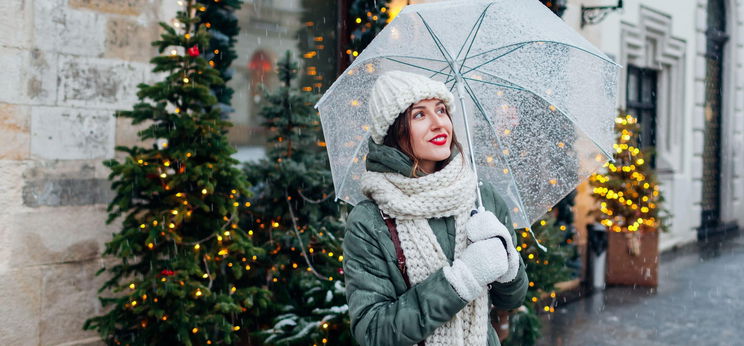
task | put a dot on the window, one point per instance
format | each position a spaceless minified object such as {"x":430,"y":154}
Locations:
{"x":660,"y":60}
{"x":641,"y":91}
{"x":716,"y":38}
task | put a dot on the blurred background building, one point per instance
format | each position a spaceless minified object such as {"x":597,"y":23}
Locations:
{"x":683,"y":78}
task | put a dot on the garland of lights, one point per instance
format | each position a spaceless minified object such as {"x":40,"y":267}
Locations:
{"x":628,"y":194}
{"x":367,"y":19}
{"x":218,"y":16}
{"x":180,"y":250}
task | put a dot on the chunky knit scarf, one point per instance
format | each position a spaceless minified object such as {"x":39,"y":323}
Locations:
{"x":411,"y":201}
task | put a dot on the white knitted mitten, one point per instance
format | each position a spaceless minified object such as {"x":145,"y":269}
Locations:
{"x":479,"y":264}
{"x":485,"y":225}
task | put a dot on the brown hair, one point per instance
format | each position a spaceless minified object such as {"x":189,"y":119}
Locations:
{"x":399,"y":137}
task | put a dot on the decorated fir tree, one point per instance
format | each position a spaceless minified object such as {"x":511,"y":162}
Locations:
{"x":180,"y":251}
{"x":295,"y":219}
{"x":222,"y":24}
{"x":628,"y":194}
{"x":367,"y":18}
{"x":564,"y":220}
{"x":544,"y":269}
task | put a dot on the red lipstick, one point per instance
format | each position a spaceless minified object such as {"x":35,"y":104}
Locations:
{"x":439,"y":139}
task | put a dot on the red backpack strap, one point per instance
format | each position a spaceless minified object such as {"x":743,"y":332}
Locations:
{"x":390,"y":222}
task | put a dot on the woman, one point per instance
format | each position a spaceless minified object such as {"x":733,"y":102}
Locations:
{"x":456,"y":264}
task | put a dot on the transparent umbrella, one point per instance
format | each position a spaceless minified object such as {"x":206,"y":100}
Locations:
{"x":536,"y":100}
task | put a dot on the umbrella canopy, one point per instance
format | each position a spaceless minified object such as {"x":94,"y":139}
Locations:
{"x":538,"y":98}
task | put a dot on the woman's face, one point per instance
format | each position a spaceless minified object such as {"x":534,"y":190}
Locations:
{"x":431,"y":133}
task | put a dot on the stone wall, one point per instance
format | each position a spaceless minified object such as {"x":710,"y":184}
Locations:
{"x":66,"y":65}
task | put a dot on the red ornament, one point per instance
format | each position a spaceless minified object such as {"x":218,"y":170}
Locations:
{"x":341,"y":271}
{"x":193,"y":51}
{"x":166,"y":272}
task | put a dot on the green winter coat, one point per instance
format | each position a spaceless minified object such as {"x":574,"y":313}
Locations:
{"x":383,"y":310}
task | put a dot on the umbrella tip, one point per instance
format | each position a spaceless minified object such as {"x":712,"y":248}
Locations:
{"x":537,"y":242}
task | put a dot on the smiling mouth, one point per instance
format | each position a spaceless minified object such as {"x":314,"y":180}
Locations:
{"x":439,"y":140}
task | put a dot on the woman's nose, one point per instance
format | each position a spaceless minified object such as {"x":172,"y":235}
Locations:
{"x":437,"y":120}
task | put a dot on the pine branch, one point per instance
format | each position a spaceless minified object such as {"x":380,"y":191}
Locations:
{"x":302,"y":245}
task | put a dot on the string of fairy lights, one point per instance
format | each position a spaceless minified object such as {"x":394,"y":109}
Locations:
{"x":365,"y":26}
{"x":634,"y":204}
{"x":166,"y":166}
{"x":531,"y":257}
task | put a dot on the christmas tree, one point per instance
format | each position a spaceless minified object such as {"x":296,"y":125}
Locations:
{"x":544,"y":269}
{"x":180,"y":250}
{"x":295,"y":219}
{"x":367,"y":19}
{"x":628,"y":194}
{"x":222,"y":24}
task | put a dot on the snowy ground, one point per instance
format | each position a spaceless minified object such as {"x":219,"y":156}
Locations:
{"x":698,"y":302}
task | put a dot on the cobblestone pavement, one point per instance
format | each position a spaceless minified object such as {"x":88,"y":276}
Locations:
{"x":698,"y":302}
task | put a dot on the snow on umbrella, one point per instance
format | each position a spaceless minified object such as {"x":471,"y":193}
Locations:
{"x":537,"y":101}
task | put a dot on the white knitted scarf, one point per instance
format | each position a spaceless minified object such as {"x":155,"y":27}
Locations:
{"x":411,"y":201}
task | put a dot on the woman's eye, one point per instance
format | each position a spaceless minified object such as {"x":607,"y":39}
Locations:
{"x":418,"y":115}
{"x":440,"y":110}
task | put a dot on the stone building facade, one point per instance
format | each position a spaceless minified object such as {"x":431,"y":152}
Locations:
{"x":694,"y":52}
{"x":66,"y":66}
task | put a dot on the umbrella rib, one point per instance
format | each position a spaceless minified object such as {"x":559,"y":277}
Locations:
{"x":411,"y":57}
{"x":440,"y":72}
{"x":544,"y":41}
{"x":440,"y":46}
{"x":346,"y":175}
{"x":473,"y":68}
{"x":416,"y":66}
{"x":420,"y":58}
{"x":476,"y":27}
{"x":490,"y":74}
{"x":569,"y":117}
{"x":497,"y":84}
{"x":477,"y":103}
{"x":494,"y":59}
{"x":506,"y":46}
{"x":438,"y":43}
{"x":479,"y":23}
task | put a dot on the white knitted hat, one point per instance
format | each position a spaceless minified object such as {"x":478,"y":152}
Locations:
{"x":395,"y":91}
